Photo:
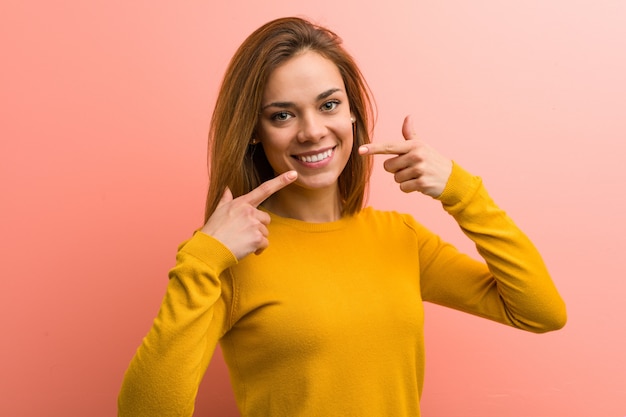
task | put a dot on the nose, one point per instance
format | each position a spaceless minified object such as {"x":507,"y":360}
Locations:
{"x":312,"y":128}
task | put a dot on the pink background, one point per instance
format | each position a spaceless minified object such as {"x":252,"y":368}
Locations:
{"x":104,"y":114}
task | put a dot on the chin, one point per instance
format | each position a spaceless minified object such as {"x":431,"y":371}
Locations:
{"x":319,"y":185}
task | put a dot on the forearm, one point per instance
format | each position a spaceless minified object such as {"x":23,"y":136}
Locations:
{"x":522,"y":283}
{"x":164,"y":375}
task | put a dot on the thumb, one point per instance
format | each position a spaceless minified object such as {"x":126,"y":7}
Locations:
{"x":408,"y":130}
{"x":226,"y":197}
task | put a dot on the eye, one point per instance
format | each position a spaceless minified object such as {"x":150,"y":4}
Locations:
{"x":281,"y":116}
{"x":329,"y":105}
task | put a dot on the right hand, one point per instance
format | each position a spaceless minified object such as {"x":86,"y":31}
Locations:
{"x":239,"y":224}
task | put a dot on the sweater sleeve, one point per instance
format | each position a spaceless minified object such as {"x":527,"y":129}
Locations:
{"x":163,"y":376}
{"x":512,"y":286}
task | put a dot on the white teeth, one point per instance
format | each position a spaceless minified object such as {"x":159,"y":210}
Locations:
{"x":316,"y":158}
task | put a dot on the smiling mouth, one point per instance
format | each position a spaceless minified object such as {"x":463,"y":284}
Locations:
{"x":315,"y":157}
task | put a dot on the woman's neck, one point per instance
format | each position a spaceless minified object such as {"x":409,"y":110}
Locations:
{"x":312,"y":206}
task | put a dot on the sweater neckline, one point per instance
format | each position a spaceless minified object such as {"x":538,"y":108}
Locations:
{"x":311,"y":227}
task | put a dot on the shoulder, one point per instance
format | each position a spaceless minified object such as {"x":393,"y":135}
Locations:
{"x":388,"y":219}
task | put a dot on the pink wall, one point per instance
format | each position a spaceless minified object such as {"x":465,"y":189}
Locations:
{"x":104,"y":113}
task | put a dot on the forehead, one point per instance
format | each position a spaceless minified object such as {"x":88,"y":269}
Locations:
{"x":305,"y":73}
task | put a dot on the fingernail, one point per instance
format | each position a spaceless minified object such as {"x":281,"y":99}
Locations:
{"x":291,"y":175}
{"x":363,"y":150}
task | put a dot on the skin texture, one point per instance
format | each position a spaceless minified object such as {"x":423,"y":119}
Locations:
{"x":306,"y":113}
{"x":416,"y":166}
{"x":305,"y":128}
{"x":239,"y":224}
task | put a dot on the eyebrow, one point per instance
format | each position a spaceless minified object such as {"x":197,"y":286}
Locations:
{"x":289,"y":104}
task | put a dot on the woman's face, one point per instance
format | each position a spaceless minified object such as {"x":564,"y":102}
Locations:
{"x":305,"y":121}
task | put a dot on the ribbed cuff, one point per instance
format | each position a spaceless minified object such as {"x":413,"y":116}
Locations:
{"x":460,"y":188}
{"x":210,"y":251}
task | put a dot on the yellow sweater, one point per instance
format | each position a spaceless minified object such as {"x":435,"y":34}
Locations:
{"x":328,"y":320}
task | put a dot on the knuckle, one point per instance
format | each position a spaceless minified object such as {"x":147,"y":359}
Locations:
{"x":415,"y":171}
{"x":247,"y":211}
{"x":261,"y":243}
{"x":414,"y":157}
{"x":264,"y":218}
{"x":257,"y":239}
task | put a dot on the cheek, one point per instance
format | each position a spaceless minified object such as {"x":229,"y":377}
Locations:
{"x":275,"y":146}
{"x":273,"y":151}
{"x":273,"y":140}
{"x":346,"y":134}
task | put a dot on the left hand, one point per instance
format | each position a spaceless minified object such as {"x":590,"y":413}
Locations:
{"x":417,"y":166}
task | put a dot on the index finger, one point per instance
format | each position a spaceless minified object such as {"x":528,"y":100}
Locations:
{"x":269,"y":187}
{"x":385,"y":148}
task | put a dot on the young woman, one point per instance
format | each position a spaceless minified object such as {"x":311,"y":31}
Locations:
{"x":316,"y":300}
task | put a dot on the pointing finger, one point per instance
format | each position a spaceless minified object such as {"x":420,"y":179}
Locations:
{"x":385,"y":148}
{"x":393,"y":148}
{"x":263,"y":191}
